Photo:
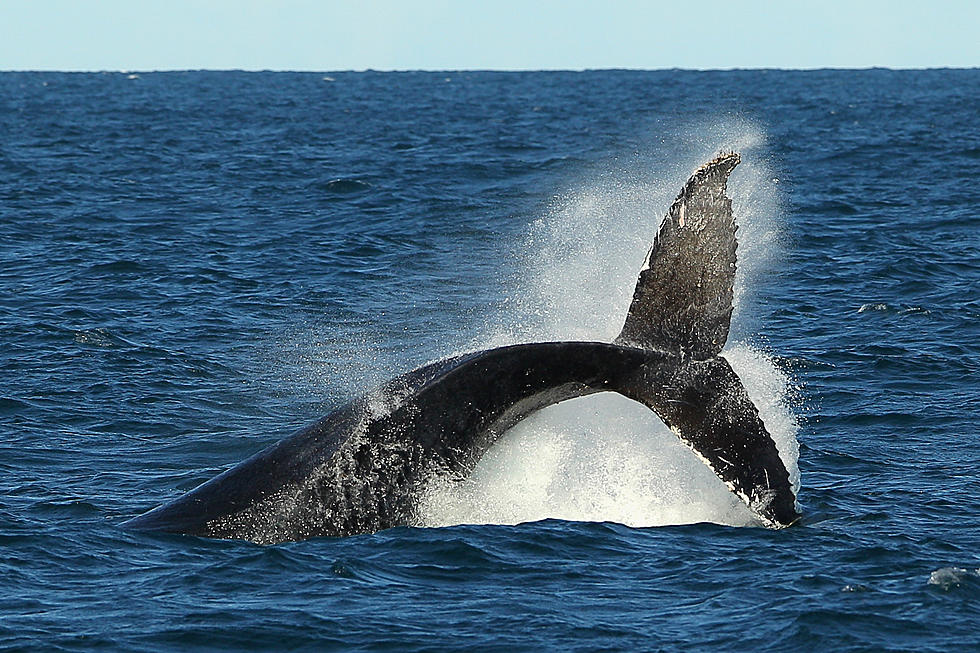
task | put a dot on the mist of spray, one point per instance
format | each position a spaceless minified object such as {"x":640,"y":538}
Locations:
{"x":605,"y":457}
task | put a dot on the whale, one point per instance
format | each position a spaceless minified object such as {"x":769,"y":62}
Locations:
{"x":366,"y":466}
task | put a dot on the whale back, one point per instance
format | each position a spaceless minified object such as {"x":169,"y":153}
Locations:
{"x":364,"y":467}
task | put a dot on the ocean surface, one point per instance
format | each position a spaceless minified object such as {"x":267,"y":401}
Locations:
{"x":195,"y":264}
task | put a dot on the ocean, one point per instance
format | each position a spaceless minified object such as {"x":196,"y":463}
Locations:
{"x":193,"y":265}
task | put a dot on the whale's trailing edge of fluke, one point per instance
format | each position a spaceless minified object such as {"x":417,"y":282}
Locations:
{"x":361,"y":469}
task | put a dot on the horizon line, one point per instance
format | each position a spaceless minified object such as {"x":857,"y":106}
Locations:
{"x":480,"y":70}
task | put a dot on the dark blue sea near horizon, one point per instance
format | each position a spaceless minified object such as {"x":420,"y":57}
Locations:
{"x":195,"y":264}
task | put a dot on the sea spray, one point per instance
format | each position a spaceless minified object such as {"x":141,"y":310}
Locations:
{"x":605,"y":457}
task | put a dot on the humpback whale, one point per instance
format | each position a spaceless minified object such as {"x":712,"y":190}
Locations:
{"x":365,"y":466}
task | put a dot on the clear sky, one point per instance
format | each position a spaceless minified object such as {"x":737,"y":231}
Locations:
{"x":486,"y":34}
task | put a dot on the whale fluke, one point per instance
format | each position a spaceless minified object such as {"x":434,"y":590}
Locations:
{"x":365,"y":466}
{"x":683,"y":299}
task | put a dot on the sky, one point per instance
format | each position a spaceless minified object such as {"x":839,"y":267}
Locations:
{"x":326,"y":35}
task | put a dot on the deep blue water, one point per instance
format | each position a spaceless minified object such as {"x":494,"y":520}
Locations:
{"x":192,"y":265}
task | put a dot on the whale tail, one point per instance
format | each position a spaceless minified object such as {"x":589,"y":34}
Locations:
{"x":683,"y":298}
{"x":682,"y":306}
{"x":360,"y":469}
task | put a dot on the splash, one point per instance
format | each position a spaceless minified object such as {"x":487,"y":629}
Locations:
{"x":605,"y":457}
{"x":949,"y":578}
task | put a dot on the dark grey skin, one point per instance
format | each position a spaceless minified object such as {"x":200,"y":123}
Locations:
{"x":365,"y":467}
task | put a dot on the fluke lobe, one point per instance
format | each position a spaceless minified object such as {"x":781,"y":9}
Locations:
{"x":365,"y":466}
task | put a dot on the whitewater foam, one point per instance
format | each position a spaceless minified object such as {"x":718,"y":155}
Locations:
{"x":948,"y":578}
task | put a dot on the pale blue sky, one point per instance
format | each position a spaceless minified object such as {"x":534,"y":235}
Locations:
{"x":502,"y":34}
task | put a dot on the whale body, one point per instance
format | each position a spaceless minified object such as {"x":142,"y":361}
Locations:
{"x":365,"y":466}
